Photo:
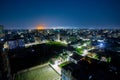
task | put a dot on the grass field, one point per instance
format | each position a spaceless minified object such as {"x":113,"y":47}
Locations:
{"x":42,"y":73}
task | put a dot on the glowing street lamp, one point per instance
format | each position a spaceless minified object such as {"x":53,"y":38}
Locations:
{"x":101,"y":45}
{"x":85,"y":52}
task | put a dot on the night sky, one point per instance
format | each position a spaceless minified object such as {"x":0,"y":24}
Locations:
{"x":52,"y":13}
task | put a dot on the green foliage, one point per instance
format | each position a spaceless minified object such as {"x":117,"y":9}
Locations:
{"x":96,"y":56}
{"x":55,"y":43}
{"x":80,"y":50}
{"x":64,"y":63}
{"x":109,"y":59}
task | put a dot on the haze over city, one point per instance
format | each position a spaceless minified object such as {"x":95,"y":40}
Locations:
{"x":17,"y":14}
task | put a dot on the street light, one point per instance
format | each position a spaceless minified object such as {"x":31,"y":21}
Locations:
{"x":101,"y":45}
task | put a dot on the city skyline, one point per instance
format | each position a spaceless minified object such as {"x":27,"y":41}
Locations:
{"x":20,"y":14}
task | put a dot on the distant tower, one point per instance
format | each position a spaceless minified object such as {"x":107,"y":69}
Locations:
{"x":58,"y":37}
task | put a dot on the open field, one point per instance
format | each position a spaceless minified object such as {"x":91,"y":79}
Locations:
{"x":42,"y":73}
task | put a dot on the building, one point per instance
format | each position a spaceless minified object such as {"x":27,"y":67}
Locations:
{"x":73,"y":72}
{"x":16,"y":43}
{"x":2,"y":33}
{"x":83,"y":70}
{"x":1,"y":30}
{"x":75,"y":58}
{"x":5,"y":71}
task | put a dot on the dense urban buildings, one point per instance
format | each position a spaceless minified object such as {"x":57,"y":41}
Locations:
{"x":59,"y":39}
{"x":60,"y":54}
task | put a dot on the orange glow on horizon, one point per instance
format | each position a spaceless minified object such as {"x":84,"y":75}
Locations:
{"x":40,"y":27}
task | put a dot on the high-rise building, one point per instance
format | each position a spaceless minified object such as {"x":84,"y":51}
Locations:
{"x":6,"y":71}
{"x":1,"y":31}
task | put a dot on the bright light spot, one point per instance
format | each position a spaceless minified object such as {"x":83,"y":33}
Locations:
{"x":84,"y":44}
{"x":56,"y":63}
{"x":79,"y":46}
{"x":2,"y":39}
{"x":85,"y":52}
{"x":40,"y":27}
{"x":70,"y":54}
{"x":101,"y":45}
{"x":65,"y":42}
